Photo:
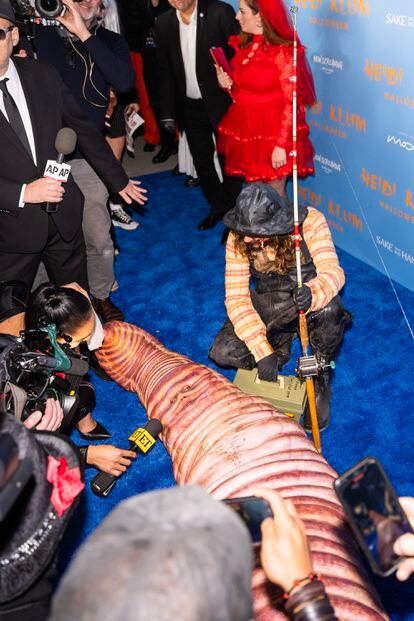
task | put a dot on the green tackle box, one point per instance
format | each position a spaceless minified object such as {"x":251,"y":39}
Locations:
{"x":288,"y":394}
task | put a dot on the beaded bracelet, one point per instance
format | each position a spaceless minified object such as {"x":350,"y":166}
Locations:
{"x":311,"y":592}
{"x":299,"y":581}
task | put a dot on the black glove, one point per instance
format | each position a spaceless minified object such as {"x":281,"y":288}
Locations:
{"x":267,"y":368}
{"x":168,"y":125}
{"x":303,"y":297}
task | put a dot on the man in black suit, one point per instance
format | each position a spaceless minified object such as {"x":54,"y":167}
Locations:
{"x":189,"y":92}
{"x":34,"y":105}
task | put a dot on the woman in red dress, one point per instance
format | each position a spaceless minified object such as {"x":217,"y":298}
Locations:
{"x":255,"y":134}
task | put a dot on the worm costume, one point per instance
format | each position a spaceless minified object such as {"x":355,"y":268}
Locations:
{"x":229,"y":443}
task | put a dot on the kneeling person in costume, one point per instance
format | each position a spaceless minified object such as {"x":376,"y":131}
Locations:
{"x":262,"y":321}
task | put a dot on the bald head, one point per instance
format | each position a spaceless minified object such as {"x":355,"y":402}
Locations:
{"x":167,"y":555}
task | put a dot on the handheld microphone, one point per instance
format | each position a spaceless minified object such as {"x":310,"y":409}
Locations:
{"x":56,"y":169}
{"x":141,"y":441}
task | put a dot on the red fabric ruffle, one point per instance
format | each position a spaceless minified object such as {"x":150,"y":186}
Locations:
{"x":261,"y":116}
{"x":67,"y":483}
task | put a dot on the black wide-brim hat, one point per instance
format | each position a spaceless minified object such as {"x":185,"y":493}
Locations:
{"x":6,"y":11}
{"x":260,"y":211}
{"x":31,"y":531}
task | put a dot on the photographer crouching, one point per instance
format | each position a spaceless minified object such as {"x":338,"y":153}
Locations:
{"x":57,"y":320}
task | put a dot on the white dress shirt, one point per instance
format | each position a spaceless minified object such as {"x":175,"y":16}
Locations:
{"x":14,"y":86}
{"x":188,"y":37}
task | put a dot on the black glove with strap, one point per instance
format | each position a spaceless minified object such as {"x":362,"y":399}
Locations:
{"x":268,"y":367}
{"x":302,"y":297}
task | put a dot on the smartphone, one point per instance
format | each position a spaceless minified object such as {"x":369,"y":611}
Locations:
{"x":220,"y":59}
{"x":252,"y":510}
{"x":373,"y":512}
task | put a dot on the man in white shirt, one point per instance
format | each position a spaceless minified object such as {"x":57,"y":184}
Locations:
{"x":189,"y":92}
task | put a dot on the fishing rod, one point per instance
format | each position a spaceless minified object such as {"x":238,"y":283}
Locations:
{"x":308,"y":366}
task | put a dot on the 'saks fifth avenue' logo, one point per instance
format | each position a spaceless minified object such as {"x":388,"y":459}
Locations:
{"x":404,"y":21}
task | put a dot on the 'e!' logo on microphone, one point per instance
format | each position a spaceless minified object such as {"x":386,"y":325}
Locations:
{"x":142,"y":439}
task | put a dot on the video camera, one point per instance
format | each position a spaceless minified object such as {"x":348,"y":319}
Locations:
{"x":43,"y":11}
{"x":34,"y":367}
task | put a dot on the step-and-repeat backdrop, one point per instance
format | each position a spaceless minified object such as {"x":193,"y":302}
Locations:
{"x":361,"y":54}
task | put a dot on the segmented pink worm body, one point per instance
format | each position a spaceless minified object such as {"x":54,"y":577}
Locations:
{"x":229,"y":443}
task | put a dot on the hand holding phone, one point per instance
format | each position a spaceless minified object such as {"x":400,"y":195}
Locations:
{"x":252,"y":510}
{"x":374,"y":513}
{"x":224,"y":71}
{"x":220,"y":59}
{"x":284,"y":550}
{"x":284,"y":554}
{"x":404,"y":546}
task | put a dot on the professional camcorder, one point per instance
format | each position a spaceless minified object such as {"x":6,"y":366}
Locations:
{"x":44,"y":11}
{"x":34,"y":367}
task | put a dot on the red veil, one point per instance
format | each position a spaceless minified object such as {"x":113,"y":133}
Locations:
{"x":277,"y":16}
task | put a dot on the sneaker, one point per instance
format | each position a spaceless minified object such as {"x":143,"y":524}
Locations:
{"x":120,"y":218}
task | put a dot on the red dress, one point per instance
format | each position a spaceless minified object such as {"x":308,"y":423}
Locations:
{"x":261,"y":116}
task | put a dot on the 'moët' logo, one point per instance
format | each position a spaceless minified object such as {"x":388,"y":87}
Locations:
{"x":400,"y":142}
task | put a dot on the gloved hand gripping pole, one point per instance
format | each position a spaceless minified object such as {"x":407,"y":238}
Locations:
{"x":303,"y":327}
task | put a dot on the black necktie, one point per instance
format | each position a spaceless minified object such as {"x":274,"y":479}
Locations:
{"x":13,"y":114}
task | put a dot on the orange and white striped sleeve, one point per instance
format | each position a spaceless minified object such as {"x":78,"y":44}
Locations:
{"x":330,"y":276}
{"x":246,"y":322}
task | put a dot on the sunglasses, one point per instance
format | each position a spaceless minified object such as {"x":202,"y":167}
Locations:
{"x":4,"y":31}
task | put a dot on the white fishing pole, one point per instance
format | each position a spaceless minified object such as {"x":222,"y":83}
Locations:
{"x":307,"y":366}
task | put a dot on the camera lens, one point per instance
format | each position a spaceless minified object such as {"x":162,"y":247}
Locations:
{"x":49,"y":8}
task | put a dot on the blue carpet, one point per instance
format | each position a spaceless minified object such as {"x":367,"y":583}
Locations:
{"x":171,"y":284}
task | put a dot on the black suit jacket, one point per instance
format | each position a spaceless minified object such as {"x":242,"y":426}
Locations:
{"x":51,"y":107}
{"x":215,"y":23}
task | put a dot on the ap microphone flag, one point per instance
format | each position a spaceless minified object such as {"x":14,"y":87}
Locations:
{"x":65,"y":144}
{"x":141,"y":441}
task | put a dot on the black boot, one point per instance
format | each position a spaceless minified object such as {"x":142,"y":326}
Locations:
{"x":213,"y":217}
{"x":326,"y":331}
{"x":323,"y":393}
